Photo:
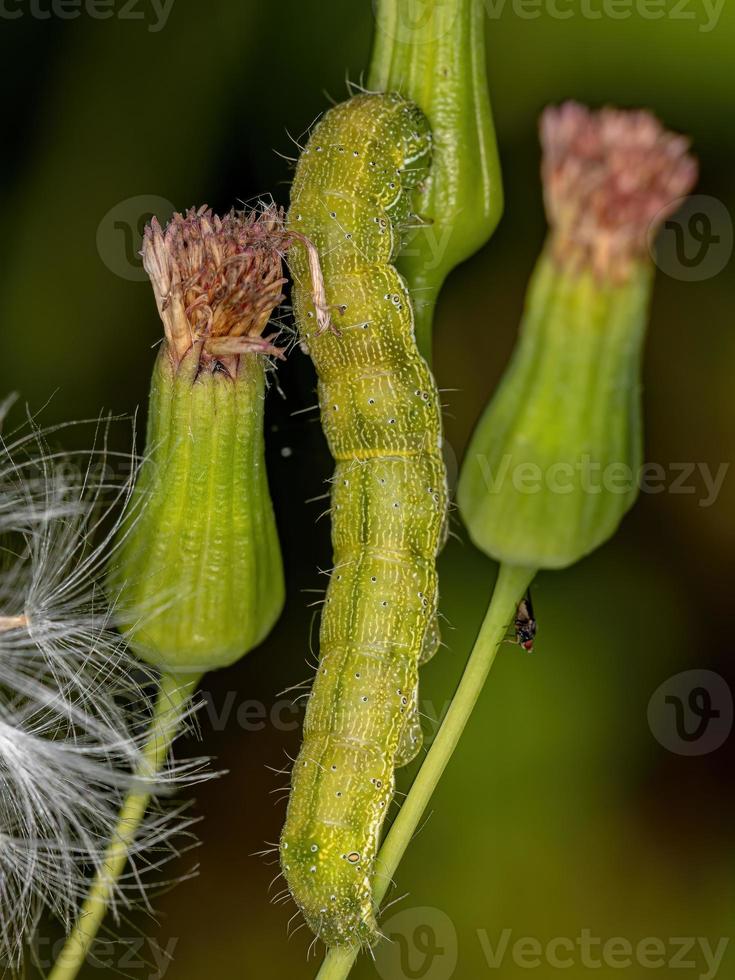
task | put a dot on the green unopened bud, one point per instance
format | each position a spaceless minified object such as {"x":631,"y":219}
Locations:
{"x":554,"y":462}
{"x":198,"y":567}
{"x":434,"y":54}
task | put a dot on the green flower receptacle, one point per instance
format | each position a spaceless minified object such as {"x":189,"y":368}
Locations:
{"x":553,"y":465}
{"x":198,"y":573}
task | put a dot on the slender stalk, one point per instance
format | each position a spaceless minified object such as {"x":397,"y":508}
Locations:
{"x":8,"y":623}
{"x":511,"y":586}
{"x":173,"y":694}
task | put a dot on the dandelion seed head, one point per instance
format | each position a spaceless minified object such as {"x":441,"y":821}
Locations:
{"x":75,"y":705}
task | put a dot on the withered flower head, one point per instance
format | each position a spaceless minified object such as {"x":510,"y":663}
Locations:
{"x":611,"y":177}
{"x":217,"y":280}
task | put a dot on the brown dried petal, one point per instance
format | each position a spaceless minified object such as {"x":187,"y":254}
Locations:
{"x":215,"y":277}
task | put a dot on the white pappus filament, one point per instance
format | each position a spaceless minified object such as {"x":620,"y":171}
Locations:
{"x":74,"y":702}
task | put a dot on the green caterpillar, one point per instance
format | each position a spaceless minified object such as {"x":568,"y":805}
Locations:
{"x":351,"y":197}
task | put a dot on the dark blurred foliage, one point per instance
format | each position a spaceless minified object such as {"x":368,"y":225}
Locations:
{"x":560,"y":811}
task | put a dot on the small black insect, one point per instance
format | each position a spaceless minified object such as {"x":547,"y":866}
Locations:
{"x":525,"y":623}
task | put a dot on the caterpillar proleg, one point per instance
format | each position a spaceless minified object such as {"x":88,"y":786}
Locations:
{"x":380,"y":410}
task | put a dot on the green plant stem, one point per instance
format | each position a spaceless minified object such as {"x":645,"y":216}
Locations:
{"x":173,"y":694}
{"x":511,"y":586}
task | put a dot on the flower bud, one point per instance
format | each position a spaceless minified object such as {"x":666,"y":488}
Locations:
{"x":197,"y":568}
{"x":554,"y":462}
{"x":434,"y":55}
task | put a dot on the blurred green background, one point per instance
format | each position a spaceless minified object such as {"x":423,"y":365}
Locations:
{"x":560,"y":812}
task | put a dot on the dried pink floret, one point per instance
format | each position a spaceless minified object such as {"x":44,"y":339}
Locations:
{"x":611,"y":177}
{"x":217,"y":280}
